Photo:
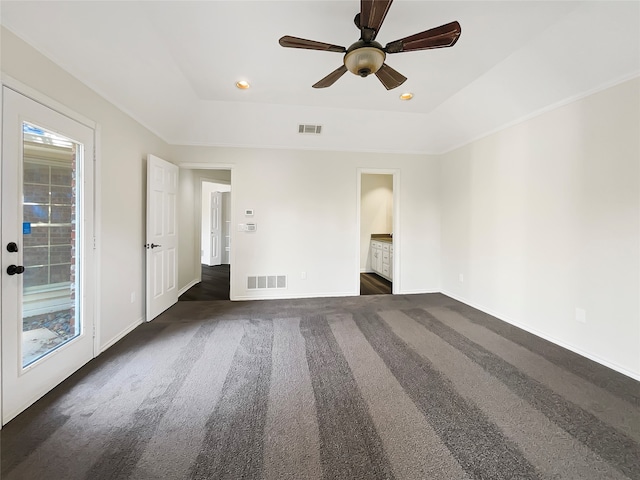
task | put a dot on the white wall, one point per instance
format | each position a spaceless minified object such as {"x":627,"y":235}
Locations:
{"x":124,"y":145}
{"x":543,"y":218}
{"x":305,"y":206}
{"x":376,"y":212}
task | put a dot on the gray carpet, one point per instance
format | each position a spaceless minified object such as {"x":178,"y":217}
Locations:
{"x":384,"y":387}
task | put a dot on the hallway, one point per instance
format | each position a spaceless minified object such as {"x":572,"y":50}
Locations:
{"x":214,"y":285}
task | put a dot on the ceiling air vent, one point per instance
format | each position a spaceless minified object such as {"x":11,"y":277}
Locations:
{"x":310,"y":129}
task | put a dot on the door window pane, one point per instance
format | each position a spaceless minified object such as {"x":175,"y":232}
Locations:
{"x":50,"y":245}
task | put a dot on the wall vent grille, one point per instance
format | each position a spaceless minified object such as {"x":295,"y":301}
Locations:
{"x":310,"y":129}
{"x":262,"y":282}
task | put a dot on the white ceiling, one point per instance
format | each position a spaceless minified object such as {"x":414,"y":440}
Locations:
{"x":172,"y":65}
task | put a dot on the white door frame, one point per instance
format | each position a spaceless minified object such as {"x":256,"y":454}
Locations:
{"x":395,"y":172}
{"x":198,"y":214}
{"x":93,"y":282}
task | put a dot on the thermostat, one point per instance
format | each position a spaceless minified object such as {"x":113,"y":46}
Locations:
{"x":251,"y":227}
{"x":248,"y":212}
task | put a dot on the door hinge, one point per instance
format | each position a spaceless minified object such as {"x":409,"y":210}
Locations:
{"x":94,"y":243}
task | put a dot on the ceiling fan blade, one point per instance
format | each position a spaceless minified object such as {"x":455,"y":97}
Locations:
{"x":439,"y":37}
{"x":331,"y":78}
{"x":372,"y":13}
{"x":295,"y":42}
{"x":389,"y":77}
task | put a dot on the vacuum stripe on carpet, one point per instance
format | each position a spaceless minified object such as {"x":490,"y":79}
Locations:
{"x":233,"y":443}
{"x":292,"y":443}
{"x":618,"y":449}
{"x":545,"y":445}
{"x":609,"y":408}
{"x":413,"y":447}
{"x":613,"y":382}
{"x":478,"y":444}
{"x":127,"y":444}
{"x":350,"y":447}
{"x":103,"y":411}
{"x":182,"y":428}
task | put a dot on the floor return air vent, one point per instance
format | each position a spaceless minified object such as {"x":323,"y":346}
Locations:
{"x":259,"y":282}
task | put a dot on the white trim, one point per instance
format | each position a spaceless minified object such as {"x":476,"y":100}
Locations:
{"x":26,"y":91}
{"x":122,"y":334}
{"x":192,"y":283}
{"x":543,"y":110}
{"x":97,"y":233}
{"x":418,"y":292}
{"x":537,"y":333}
{"x":207,"y":166}
{"x":298,"y":147}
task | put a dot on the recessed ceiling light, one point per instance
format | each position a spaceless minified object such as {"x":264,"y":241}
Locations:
{"x":406,"y":96}
{"x":242,"y":84}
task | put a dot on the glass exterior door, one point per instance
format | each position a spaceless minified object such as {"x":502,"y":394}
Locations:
{"x":48,"y":259}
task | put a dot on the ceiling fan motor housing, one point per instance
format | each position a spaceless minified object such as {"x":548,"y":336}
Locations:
{"x":364,"y":58}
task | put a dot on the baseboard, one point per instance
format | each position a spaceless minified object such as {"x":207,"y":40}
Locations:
{"x":122,"y":334}
{"x":416,"y":292}
{"x":243,"y":298}
{"x":537,"y":333}
{"x":188,"y":286}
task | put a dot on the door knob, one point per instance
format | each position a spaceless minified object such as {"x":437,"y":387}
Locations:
{"x":15,"y":269}
{"x":12,"y":247}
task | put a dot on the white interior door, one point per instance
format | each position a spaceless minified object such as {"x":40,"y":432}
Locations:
{"x":48,"y":264}
{"x":216,"y":229}
{"x":162,"y":236}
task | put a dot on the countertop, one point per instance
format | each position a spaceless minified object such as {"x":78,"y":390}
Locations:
{"x":382,"y":237}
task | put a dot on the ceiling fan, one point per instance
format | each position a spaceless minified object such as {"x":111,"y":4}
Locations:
{"x":367,"y":56}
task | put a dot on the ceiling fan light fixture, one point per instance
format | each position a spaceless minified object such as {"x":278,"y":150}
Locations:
{"x":364,"y":61}
{"x":242,"y":84}
{"x":406,"y":96}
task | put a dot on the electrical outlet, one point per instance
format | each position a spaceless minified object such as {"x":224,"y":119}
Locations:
{"x":581,"y":315}
{"x":133,"y":296}
{"x":461,"y":278}
{"x":303,"y":275}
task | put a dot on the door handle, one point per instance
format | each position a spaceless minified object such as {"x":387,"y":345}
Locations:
{"x":153,"y":245}
{"x":15,"y":269}
{"x":12,"y":247}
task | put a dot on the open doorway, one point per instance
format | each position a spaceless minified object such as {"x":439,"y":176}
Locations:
{"x":212,"y":235}
{"x":376,"y":222}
